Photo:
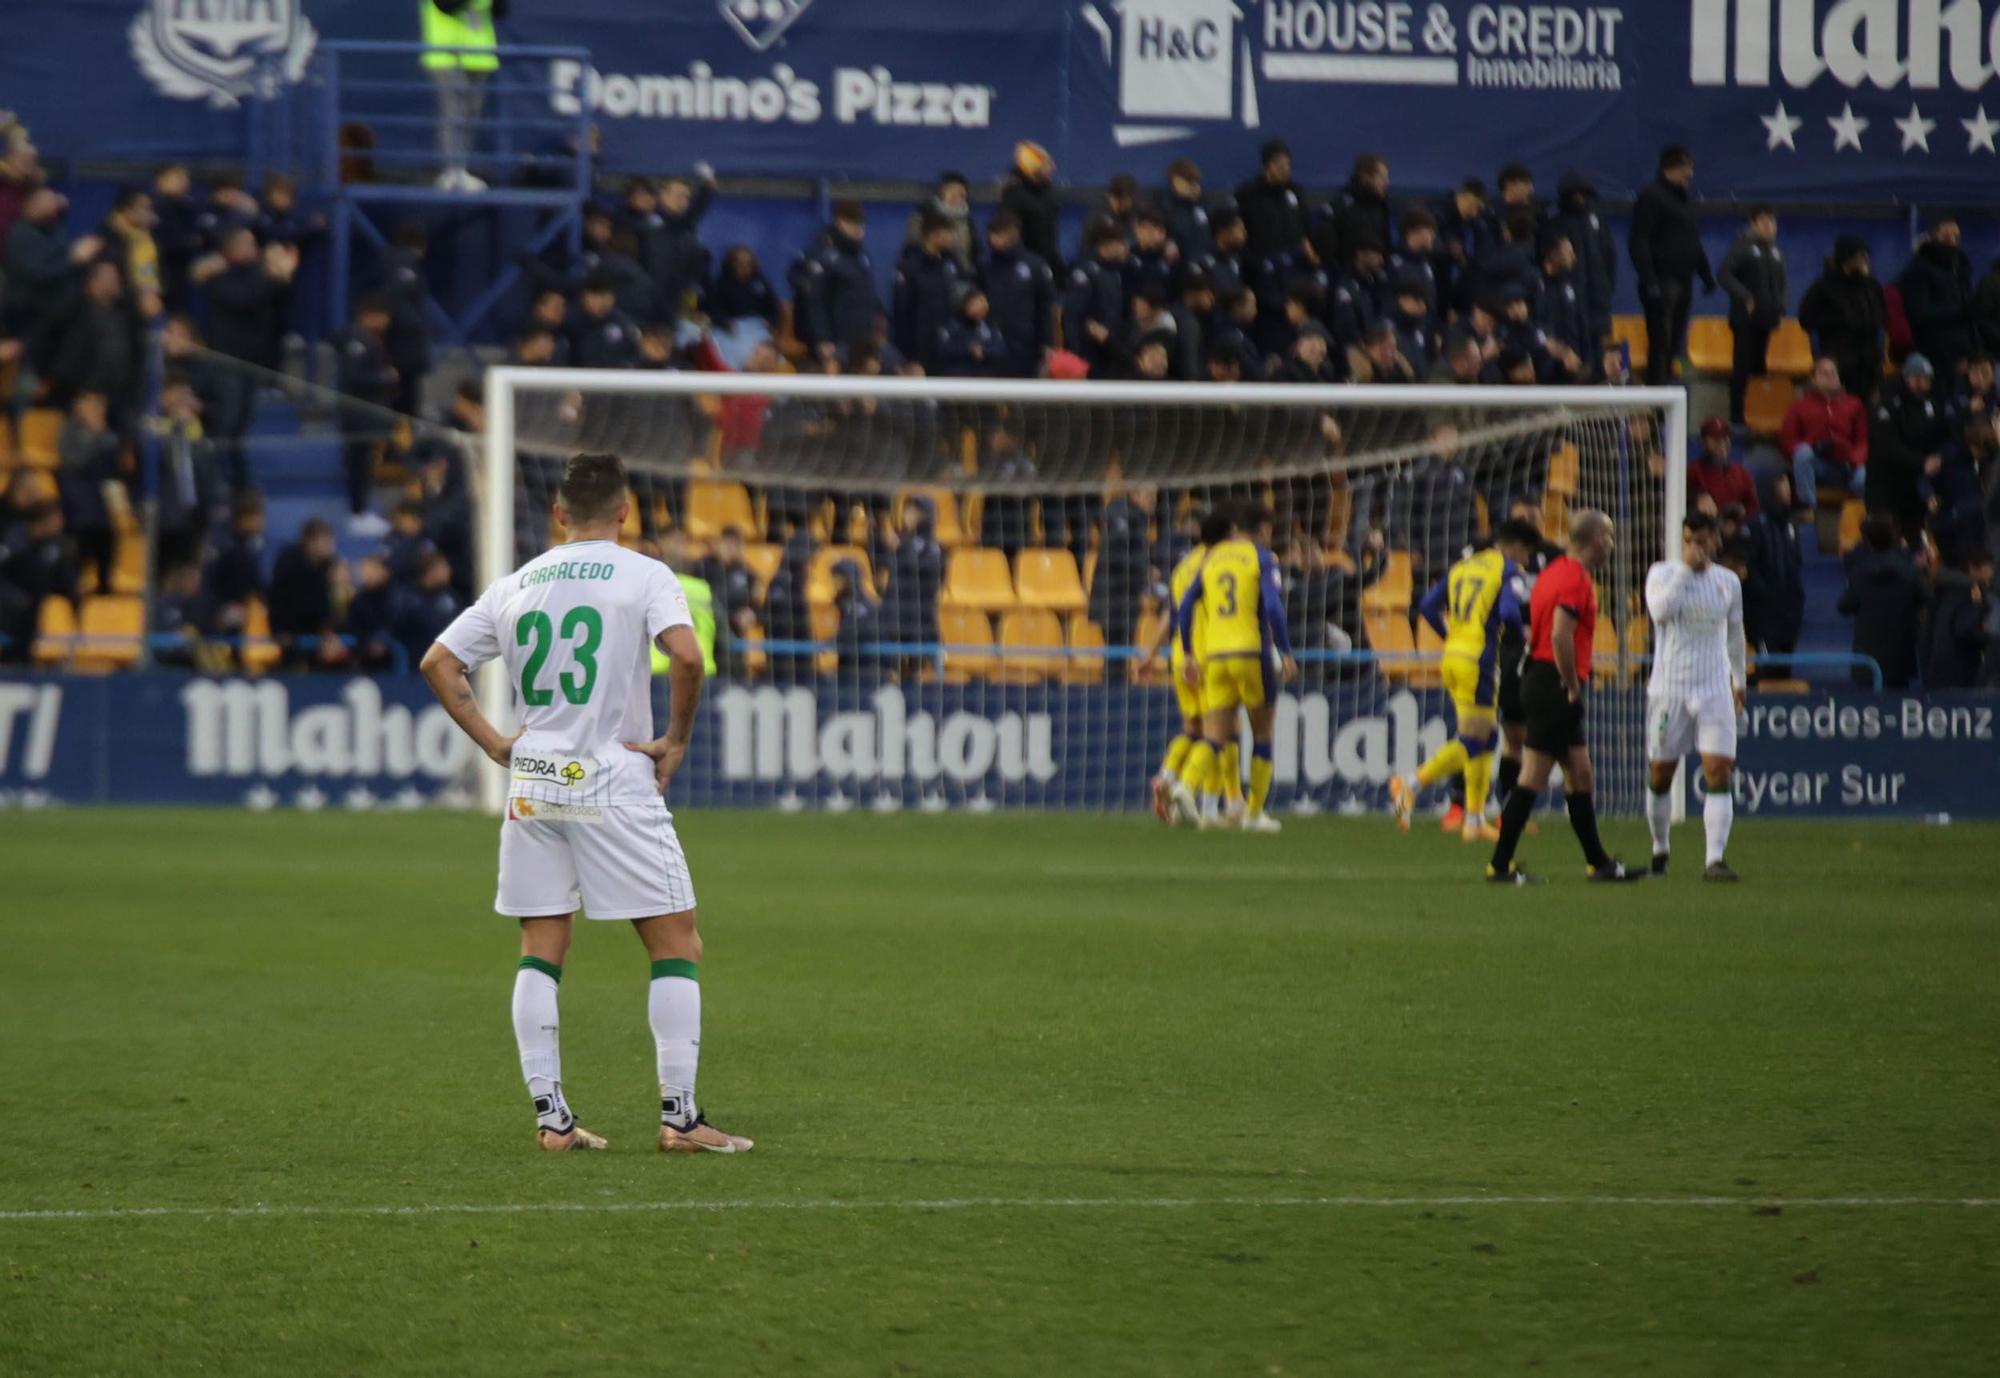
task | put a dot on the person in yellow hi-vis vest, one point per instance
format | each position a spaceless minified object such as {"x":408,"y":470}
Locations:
{"x":460,"y":77}
{"x":701,"y":611}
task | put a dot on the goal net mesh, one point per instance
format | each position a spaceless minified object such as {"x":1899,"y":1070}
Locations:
{"x":937,"y":595}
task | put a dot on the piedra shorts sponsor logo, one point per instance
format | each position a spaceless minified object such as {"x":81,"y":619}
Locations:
{"x":220,"y":51}
{"x":550,"y":770}
{"x":785,"y":93}
{"x":1180,"y":60}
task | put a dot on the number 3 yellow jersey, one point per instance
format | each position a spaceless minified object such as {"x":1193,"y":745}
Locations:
{"x":1229,"y":601}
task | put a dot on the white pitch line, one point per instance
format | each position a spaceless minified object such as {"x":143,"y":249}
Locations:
{"x":1003,"y":1203}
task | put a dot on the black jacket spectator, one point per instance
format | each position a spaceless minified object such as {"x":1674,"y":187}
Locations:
{"x":1905,"y":430}
{"x":1124,"y":569}
{"x":1753,"y":274}
{"x":1357,"y":215}
{"x":607,"y":340}
{"x":1562,"y":311}
{"x":1095,"y":297}
{"x":236,"y":573}
{"x":1885,"y":596}
{"x":301,"y":591}
{"x":1273,"y":208}
{"x":99,"y":348}
{"x":246,"y":312}
{"x":426,"y":612}
{"x":189,"y":492}
{"x":1843,"y":311}
{"x":1503,"y":265}
{"x":924,"y":301}
{"x":916,"y":574}
{"x":969,"y":348}
{"x":671,"y":252}
{"x":1035,"y":208}
{"x":1666,"y":238}
{"x":1021,"y":300}
{"x":1187,"y":226}
{"x":176,"y":236}
{"x":37,"y":561}
{"x":373,"y":617}
{"x":1777,"y":568}
{"x":1578,"y":220}
{"x":834,"y":302}
{"x":39,"y":273}
{"x":89,"y":456}
{"x":1955,"y":636}
{"x":741,"y":291}
{"x":1937,"y":297}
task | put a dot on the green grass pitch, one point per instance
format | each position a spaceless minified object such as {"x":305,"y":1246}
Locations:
{"x":1031,"y":1095}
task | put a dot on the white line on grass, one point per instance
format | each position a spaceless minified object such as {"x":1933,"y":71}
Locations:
{"x":1004,"y":1203}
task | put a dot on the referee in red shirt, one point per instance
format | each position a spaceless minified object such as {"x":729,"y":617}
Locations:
{"x":1562,"y":628}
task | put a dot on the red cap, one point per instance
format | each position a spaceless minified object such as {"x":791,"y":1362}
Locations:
{"x":1715,"y":425}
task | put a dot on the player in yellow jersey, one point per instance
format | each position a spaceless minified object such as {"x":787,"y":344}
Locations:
{"x":1469,"y":607}
{"x":1214,"y":530}
{"x":1238,"y":593}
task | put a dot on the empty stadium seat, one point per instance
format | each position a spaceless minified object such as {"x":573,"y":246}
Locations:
{"x":1031,"y":645}
{"x":1565,"y":469}
{"x":1555,"y":517}
{"x":965,"y":630}
{"x":128,"y":571}
{"x":1390,"y":637}
{"x":1392,"y":590}
{"x":1790,"y":351}
{"x":825,"y":627}
{"x":714,"y":506}
{"x":1427,"y":673}
{"x":1085,"y":636}
{"x":110,"y":631}
{"x":41,"y":428}
{"x":1048,"y":578}
{"x":763,"y":557}
{"x":1711,"y":344}
{"x":977,"y":577}
{"x":1851,"y":514}
{"x":55,"y":631}
{"x":258,"y":652}
{"x":1152,"y":622}
{"x":1766,"y":402}
{"x":1631,"y":331}
{"x":819,"y":574}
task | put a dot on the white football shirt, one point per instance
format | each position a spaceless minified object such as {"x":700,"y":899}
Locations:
{"x":575,"y":628}
{"x":1698,"y":647}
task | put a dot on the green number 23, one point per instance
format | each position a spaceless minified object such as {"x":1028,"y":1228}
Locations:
{"x":536,"y":627}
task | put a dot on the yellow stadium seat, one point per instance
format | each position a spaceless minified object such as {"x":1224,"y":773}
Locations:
{"x":1604,"y":650}
{"x":1631,"y":330}
{"x":1048,"y":578}
{"x":1565,"y":469}
{"x":41,"y":485}
{"x":947,"y":528}
{"x":1851,"y":513}
{"x":1711,"y":344}
{"x":1389,"y":636}
{"x":1427,"y":673}
{"x":1790,"y":351}
{"x":755,"y":659}
{"x":763,"y":557}
{"x":55,"y":631}
{"x":1152,"y":622}
{"x":1638,"y":637}
{"x":979,"y":578}
{"x":1392,"y":590}
{"x":1783,"y":686}
{"x":825,"y":622}
{"x":1085,"y":637}
{"x":259,"y":653}
{"x":1031,"y":643}
{"x":964,"y":632}
{"x":1765,"y":403}
{"x":6,"y":442}
{"x":713,"y":507}
{"x":41,"y":428}
{"x":819,"y":574}
{"x":110,"y":630}
{"x":1555,"y":517}
{"x":128,"y":570}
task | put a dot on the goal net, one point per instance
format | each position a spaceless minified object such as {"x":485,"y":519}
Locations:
{"x":945,"y":594}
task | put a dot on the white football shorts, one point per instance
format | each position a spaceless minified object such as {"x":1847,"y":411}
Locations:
{"x":1706,"y":722}
{"x":621,"y":861}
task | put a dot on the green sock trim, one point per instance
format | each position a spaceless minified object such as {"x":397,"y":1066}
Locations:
{"x":548,"y":969}
{"x":676,"y":966}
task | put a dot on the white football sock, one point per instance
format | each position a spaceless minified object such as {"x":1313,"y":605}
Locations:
{"x":673,"y":1007}
{"x":1716,"y":816}
{"x":537,"y":1033}
{"x":1660,"y":820}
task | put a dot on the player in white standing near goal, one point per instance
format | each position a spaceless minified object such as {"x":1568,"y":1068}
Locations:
{"x":585,"y":822}
{"x":1696,"y":689}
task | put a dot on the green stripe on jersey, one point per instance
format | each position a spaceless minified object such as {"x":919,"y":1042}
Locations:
{"x":676,"y":966}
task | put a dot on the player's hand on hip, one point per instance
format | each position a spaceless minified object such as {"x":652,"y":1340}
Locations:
{"x":666,"y":757}
{"x":502,"y":752}
{"x":1191,"y":673}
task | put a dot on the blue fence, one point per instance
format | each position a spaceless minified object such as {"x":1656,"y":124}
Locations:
{"x":330,"y":742}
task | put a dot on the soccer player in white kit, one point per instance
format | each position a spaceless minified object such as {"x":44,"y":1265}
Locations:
{"x":585,"y":822}
{"x":1696,"y":689}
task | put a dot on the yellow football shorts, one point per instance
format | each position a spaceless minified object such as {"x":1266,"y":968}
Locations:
{"x":1189,"y":699}
{"x":1232,"y":682}
{"x":1472,"y":685}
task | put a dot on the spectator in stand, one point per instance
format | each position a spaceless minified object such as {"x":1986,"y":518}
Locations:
{"x":834,"y":304}
{"x":1021,"y":296}
{"x":405,"y":548}
{"x":971,"y":346}
{"x":1753,"y":274}
{"x":1416,"y":258}
{"x":742,"y":294}
{"x":1668,"y":256}
{"x":1964,"y":495}
{"x":93,"y":493}
{"x":1358,"y":215}
{"x":1986,"y":310}
{"x":1273,"y":208}
{"x":1825,"y":435}
{"x":1003,"y":519}
{"x":1121,"y":203}
{"x":20,"y":174}
{"x":1275,"y":335}
{"x":41,"y":269}
{"x":1578,"y":220}
{"x":373,"y":615}
{"x":538,"y":347}
{"x":925,"y":297}
{"x":641,"y":211}
{"x":279,"y":220}
{"x":1412,"y":320}
{"x":302,"y":599}
{"x":236,"y":574}
{"x":1718,"y":473}
{"x":1124,"y":563}
{"x":1187,"y":215}
{"x":181,"y":618}
{"x":127,"y":233}
{"x":558,"y":270}
{"x":100,"y":347}
{"x":1354,"y":304}
{"x":1906,"y":444}
{"x":1955,"y":636}
{"x":1464,"y":362}
{"x":1094,"y":304}
{"x":1517,"y":194}
{"x":1937,"y":298}
{"x":1224,"y":265}
{"x":189,"y":492}
{"x":916,"y":575}
{"x":1312,"y":359}
{"x":1237,"y":330}
{"x":1382,"y":359}
{"x":950,"y":200}
{"x":1154,"y":262}
{"x":1777,"y":568}
{"x":1844,"y":313}
{"x":1561,"y":310}
{"x":605,"y":336}
{"x":1506,"y":261}
{"x":1978,"y":392}
{"x":401,"y":283}
{"x":429,"y":609}
{"x":733,"y":584}
{"x":671,"y":255}
{"x":1150,"y":359}
{"x":1466,"y":227}
{"x":248,"y":290}
{"x":369,"y":386}
{"x":18,"y":502}
{"x":1029,"y":195}
{"x":37,"y":562}
{"x":229,"y":208}
{"x":1885,"y":595}
{"x":176,"y":232}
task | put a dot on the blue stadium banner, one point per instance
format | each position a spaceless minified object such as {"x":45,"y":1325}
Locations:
{"x":1807,"y":99}
{"x":315,"y":742}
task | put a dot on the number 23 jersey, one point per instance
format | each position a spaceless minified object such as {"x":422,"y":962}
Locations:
{"x":574,"y":627}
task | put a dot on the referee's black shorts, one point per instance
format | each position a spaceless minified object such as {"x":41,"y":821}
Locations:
{"x":1555,"y":724}
{"x":1510,"y":686}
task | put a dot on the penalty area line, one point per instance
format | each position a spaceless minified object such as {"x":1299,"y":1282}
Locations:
{"x":1014,"y":1203}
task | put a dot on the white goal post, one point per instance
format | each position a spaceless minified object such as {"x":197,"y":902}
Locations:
{"x":1113,"y":434}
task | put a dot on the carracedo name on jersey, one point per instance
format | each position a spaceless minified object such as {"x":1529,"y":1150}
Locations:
{"x":247,"y":728}
{"x":870,"y":95}
{"x":551,"y":770}
{"x":568,"y":569}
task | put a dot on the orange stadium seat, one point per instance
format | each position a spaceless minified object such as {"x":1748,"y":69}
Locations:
{"x":1711,"y":344}
{"x":977,"y":577}
{"x":55,"y":631}
{"x":1565,"y":469}
{"x":1392,"y":590}
{"x":1085,"y":636}
{"x":1426,"y":673}
{"x":1152,"y":623}
{"x":1631,"y":330}
{"x":825,"y":627}
{"x":1389,"y":636}
{"x":1790,"y":351}
{"x":965,"y":631}
{"x":714,"y":506}
{"x":41,"y":427}
{"x":763,"y":557}
{"x":1048,"y":578}
{"x":1851,"y":513}
{"x":259,"y":653}
{"x":1031,"y":645}
{"x":110,"y":631}
{"x":1765,"y":403}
